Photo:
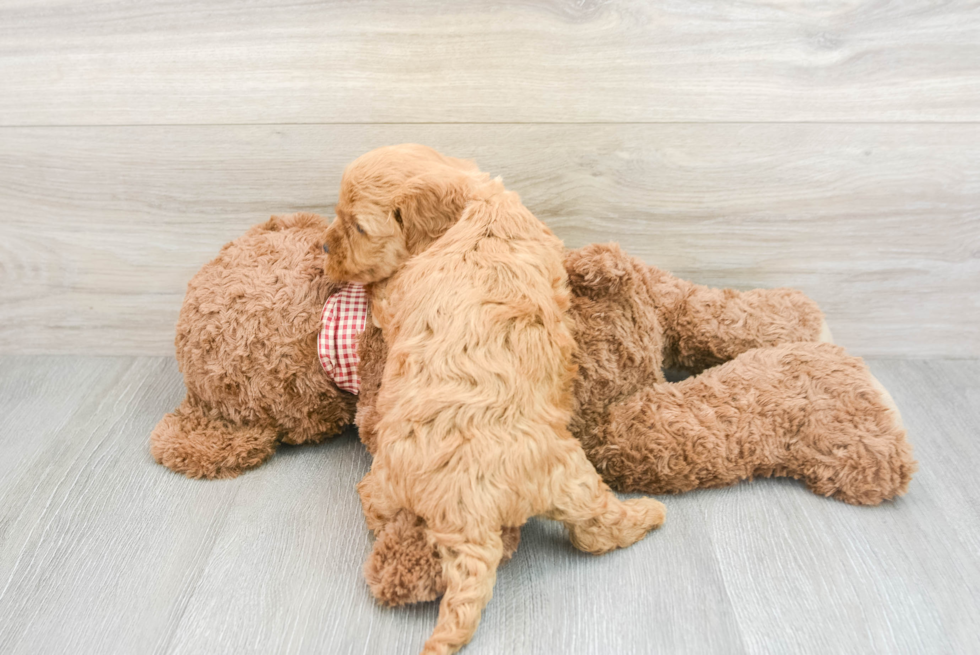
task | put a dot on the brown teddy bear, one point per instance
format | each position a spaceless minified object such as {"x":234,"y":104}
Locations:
{"x":768,"y":398}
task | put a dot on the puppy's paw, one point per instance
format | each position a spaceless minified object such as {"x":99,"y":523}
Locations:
{"x":652,"y":511}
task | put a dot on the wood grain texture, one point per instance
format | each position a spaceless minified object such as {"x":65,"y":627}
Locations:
{"x":900,"y":578}
{"x":102,"y":551}
{"x":103,"y":227}
{"x":184,"y":61}
{"x":100,"y":548}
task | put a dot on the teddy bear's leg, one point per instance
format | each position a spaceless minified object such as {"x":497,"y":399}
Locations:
{"x":189,"y":441}
{"x":404,"y":565}
{"x":804,"y":410}
{"x":704,"y":326}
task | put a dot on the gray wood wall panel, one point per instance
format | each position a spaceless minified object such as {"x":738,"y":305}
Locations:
{"x":103,"y":226}
{"x":184,"y":61}
{"x":102,"y":551}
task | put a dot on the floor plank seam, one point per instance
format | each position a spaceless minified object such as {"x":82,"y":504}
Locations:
{"x":166,"y":648}
{"x":19,"y":126}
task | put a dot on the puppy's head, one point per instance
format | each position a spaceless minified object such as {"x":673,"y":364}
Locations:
{"x":394,"y":202}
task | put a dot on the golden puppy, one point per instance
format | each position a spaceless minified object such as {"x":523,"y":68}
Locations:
{"x":370,"y":239}
{"x":476,"y":391}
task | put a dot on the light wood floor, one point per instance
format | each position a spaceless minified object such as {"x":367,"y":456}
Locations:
{"x":102,"y":551}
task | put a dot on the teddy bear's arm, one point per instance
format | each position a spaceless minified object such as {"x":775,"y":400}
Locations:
{"x":705,"y":326}
{"x":372,"y":351}
{"x":202,"y":444}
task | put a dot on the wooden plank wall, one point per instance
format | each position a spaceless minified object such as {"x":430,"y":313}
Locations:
{"x":831,"y":146}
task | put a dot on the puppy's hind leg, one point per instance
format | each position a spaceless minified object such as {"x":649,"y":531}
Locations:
{"x":376,"y":501}
{"x":596,"y":519}
{"x":470,"y":570}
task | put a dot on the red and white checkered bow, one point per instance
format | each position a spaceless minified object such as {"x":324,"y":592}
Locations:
{"x":343,"y":319}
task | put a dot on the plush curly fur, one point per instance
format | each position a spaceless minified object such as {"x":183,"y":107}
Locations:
{"x":246,"y":344}
{"x":786,"y":406}
{"x":406,"y":564}
{"x":476,"y":394}
{"x":629,"y":321}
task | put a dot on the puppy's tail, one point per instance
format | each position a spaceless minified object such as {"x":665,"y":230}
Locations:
{"x":470,"y":570}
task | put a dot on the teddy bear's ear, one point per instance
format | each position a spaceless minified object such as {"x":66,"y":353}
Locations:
{"x":429,"y":204}
{"x":599,"y":269}
{"x":298,"y":220}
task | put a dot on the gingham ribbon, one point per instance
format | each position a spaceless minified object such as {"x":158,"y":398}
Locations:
{"x":342,"y":322}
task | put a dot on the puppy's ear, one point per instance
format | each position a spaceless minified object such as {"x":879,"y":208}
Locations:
{"x":429,"y":204}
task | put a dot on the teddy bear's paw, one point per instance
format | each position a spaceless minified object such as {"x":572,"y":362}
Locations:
{"x":888,"y":402}
{"x":189,"y":442}
{"x":825,"y":335}
{"x":868,"y":459}
{"x":404,"y":567}
{"x":886,"y":467}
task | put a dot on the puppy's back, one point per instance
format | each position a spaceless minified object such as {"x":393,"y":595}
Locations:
{"x":479,"y":333}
